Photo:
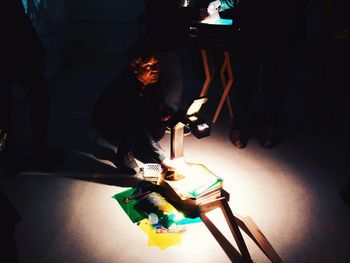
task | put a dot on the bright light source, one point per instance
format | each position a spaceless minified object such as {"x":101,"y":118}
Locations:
{"x":192,"y":118}
{"x":196,"y":106}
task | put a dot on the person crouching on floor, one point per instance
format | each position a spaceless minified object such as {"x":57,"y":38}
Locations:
{"x":130,"y":114}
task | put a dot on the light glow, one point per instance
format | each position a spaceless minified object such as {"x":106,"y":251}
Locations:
{"x":196,"y":106}
{"x":192,"y":118}
{"x":221,"y":21}
{"x":202,"y":126}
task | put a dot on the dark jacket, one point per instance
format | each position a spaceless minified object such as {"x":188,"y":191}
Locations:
{"x":20,"y":46}
{"x":266,"y":26}
{"x":123,"y":108}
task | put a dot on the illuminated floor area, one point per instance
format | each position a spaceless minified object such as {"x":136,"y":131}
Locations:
{"x":291,"y":192}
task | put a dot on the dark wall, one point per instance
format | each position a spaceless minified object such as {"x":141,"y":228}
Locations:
{"x":70,"y":29}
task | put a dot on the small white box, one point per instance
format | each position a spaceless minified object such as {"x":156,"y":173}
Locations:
{"x":152,"y":172}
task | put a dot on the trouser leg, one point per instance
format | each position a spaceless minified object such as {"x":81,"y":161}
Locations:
{"x":125,"y":146}
{"x":36,"y":87}
{"x":274,"y":85}
{"x":146,"y":148}
{"x":6,"y":106}
{"x":8,"y":148}
{"x":245,"y":71}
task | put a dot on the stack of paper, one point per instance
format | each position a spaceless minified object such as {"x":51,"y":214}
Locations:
{"x":197,"y":183}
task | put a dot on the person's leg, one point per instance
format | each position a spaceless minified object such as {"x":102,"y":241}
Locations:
{"x":35,"y":85}
{"x":274,"y":85}
{"x":116,"y":149}
{"x":9,"y":154}
{"x":146,"y":148}
{"x":245,"y":72}
{"x":6,"y":107}
{"x":337,"y":85}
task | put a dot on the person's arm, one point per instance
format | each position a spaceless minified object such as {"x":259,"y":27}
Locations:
{"x":165,"y":112}
{"x":228,"y":4}
{"x":223,"y":4}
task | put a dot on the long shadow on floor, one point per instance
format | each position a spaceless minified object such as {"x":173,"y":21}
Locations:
{"x":86,"y":166}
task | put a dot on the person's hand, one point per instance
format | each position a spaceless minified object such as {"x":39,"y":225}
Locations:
{"x":168,"y":164}
{"x":213,"y":6}
{"x":165,"y":117}
{"x":165,"y":114}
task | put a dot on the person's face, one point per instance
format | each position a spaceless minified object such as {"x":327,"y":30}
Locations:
{"x":147,"y":71}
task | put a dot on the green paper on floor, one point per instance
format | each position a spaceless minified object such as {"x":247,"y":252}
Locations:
{"x":159,"y":235}
{"x":129,"y":207}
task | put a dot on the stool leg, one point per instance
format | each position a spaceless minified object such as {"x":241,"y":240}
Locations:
{"x":229,"y":249}
{"x":232,"y":223}
{"x":224,"y":82}
{"x":227,"y":87}
{"x":208,"y":72}
{"x":252,"y":230}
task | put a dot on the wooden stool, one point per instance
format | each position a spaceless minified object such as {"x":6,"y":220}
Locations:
{"x":236,"y":223}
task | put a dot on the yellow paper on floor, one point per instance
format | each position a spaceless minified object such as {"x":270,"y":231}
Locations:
{"x":161,"y":240}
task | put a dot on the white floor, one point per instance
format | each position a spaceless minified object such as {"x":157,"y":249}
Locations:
{"x":290,"y":191}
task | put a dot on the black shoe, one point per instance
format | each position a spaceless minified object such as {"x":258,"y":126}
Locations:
{"x":267,"y":136}
{"x":238,"y":138}
{"x":266,"y":130}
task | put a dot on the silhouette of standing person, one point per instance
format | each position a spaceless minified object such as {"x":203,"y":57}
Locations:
{"x":260,"y":48}
{"x":22,"y":61}
{"x":336,"y":57}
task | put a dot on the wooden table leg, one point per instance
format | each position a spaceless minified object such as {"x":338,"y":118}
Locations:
{"x":227,"y":86}
{"x":208,"y":72}
{"x":231,"y":221}
{"x":224,"y":68}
